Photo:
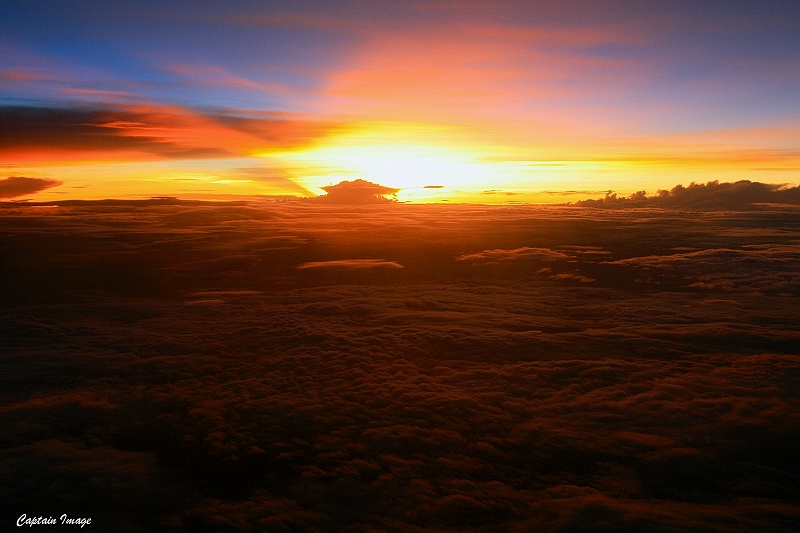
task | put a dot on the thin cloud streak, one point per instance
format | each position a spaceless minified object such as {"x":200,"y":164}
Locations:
{"x":356,"y":264}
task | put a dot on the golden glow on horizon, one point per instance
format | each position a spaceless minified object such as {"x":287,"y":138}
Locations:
{"x":427,"y":162}
{"x":96,"y":180}
{"x":479,"y":103}
{"x":394,"y":165}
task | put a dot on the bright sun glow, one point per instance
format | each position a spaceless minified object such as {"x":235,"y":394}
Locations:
{"x":419,"y":160}
{"x":403,"y":166}
{"x":436,"y":163}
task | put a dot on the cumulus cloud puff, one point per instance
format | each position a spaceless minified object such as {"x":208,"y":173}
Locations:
{"x":357,"y":192}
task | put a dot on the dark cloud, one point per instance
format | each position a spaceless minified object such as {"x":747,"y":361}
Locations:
{"x":168,"y":367}
{"x":150,"y":130}
{"x":357,"y":192}
{"x":22,"y":186}
{"x":97,"y":130}
{"x":712,"y":195}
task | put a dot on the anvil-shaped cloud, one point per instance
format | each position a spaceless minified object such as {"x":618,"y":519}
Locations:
{"x":357,"y":192}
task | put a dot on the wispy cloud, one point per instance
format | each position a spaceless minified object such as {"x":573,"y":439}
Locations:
{"x":155,"y":131}
{"x":525,"y":252}
{"x":217,"y":76}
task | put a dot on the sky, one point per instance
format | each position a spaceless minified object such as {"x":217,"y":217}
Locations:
{"x":479,"y":102}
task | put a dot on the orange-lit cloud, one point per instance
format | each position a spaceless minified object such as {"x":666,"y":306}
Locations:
{"x":347,"y":264}
{"x":149,"y":131}
{"x":457,"y":71}
{"x":525,"y":252}
{"x":144,"y":150}
{"x":22,"y":186}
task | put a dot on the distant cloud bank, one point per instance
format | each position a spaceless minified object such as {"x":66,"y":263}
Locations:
{"x":712,"y":195}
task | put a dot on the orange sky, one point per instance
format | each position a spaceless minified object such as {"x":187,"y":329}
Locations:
{"x":495,"y":104}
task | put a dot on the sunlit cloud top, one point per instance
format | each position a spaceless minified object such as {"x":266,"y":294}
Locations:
{"x":556,"y":95}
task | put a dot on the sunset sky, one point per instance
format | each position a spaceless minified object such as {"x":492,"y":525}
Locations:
{"x":214,"y":317}
{"x":468,"y":101}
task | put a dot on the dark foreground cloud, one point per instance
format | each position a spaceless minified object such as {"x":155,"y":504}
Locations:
{"x":712,"y":195}
{"x":22,"y":186}
{"x":168,"y":367}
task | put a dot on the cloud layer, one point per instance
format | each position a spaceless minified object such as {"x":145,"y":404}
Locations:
{"x":169,"y":367}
